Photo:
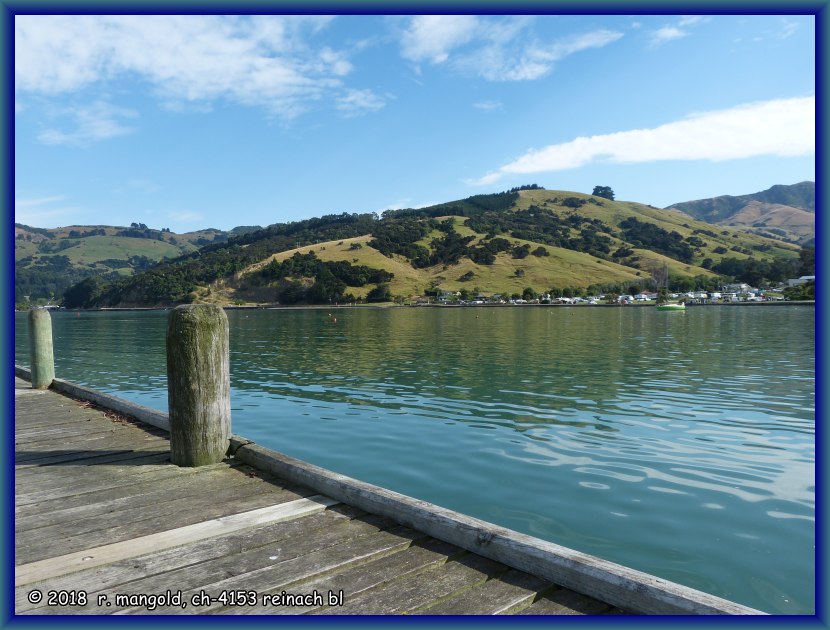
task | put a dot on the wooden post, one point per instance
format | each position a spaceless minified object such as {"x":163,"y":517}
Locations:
{"x":41,"y":354}
{"x":198,"y":384}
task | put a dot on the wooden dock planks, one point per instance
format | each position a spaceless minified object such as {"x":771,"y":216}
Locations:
{"x":100,"y":511}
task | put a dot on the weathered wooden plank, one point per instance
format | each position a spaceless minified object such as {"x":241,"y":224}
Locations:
{"x":565,"y":602}
{"x":302,"y":568}
{"x":418,"y":558}
{"x":32,"y":466}
{"x":410,"y":594}
{"x":624,"y":587}
{"x":91,"y":426}
{"x":89,"y":503}
{"x":502,"y":595}
{"x":77,"y":432}
{"x":188,"y":494}
{"x":71,"y":488}
{"x":85,"y":559}
{"x":34,"y":546}
{"x":199,"y":576}
{"x":84,"y":502}
{"x":125,"y":573}
{"x":139,"y":412}
{"x":119,"y":461}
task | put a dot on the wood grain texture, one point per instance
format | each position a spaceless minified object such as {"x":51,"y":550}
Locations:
{"x":198,"y":384}
{"x":108,"y":513}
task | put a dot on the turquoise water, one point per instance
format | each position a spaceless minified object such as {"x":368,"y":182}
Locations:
{"x":680,"y":444}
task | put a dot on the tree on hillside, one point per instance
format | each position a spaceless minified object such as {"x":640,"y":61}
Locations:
{"x":603,"y":191}
{"x":807,"y":257}
{"x":84,"y":294}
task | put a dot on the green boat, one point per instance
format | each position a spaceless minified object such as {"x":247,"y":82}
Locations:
{"x":669,"y":306}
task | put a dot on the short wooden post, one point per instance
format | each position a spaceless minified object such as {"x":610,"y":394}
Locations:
{"x":41,"y":354}
{"x":198,"y":384}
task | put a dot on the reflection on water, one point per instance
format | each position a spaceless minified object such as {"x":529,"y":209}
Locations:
{"x":681,"y":444}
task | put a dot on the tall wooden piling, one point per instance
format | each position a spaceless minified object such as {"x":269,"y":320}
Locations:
{"x":41,"y":354}
{"x":198,"y":384}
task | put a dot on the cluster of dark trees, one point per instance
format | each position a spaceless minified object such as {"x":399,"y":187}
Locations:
{"x":526,"y":187}
{"x":49,"y":277}
{"x":400,"y":237}
{"x":603,"y":191}
{"x":329,"y":279}
{"x":469,"y":207}
{"x":542,"y":226}
{"x":650,"y":236}
{"x":758,"y":272}
{"x":310,"y":266}
{"x":173,"y":281}
{"x":93,"y":232}
{"x":141,"y":231}
{"x":35,"y":230}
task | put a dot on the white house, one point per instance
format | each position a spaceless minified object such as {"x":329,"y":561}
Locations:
{"x":796,"y":281}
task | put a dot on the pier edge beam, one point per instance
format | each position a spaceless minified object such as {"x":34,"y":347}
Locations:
{"x":41,"y":352}
{"x":198,"y":384}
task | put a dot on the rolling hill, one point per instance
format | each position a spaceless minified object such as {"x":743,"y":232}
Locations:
{"x":48,"y":261}
{"x":784,"y":212}
{"x":492,"y":244}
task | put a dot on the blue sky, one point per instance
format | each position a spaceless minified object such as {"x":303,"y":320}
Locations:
{"x":199,"y":121}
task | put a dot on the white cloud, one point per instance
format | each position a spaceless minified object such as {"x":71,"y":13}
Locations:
{"x":788,"y":29}
{"x":260,"y":60}
{"x":502,"y":49}
{"x":43,"y":211}
{"x":187,"y":218}
{"x":32,"y":203}
{"x":676,"y":31}
{"x":431,"y":37}
{"x":782,"y":127}
{"x":690,"y":20}
{"x":500,"y":61}
{"x":357,"y":102}
{"x":666,"y":34}
{"x":488,"y":106}
{"x":98,"y":121}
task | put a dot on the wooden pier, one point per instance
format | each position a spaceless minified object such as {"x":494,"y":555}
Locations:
{"x":121,"y":509}
{"x":105,"y":524}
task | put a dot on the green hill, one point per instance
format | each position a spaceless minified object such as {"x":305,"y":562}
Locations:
{"x":49,"y":261}
{"x":492,"y":244}
{"x":786,"y":212}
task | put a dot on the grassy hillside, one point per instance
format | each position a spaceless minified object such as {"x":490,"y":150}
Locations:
{"x":493,"y":244}
{"x":48,"y":261}
{"x":786,"y":212}
{"x":561,"y":266}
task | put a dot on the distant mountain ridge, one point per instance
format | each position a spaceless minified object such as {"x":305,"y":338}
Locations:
{"x":786,"y":211}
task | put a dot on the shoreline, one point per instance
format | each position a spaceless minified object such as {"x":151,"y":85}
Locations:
{"x":285,"y":307}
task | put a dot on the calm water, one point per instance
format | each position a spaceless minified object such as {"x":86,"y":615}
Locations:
{"x":680,"y":444}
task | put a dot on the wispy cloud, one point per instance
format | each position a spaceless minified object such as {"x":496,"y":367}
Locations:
{"x":782,"y":127}
{"x":678,"y":30}
{"x":266,"y":61}
{"x":502,"y":49}
{"x":430,"y":38}
{"x":357,"y":102}
{"x":488,"y":106}
{"x":666,"y":34}
{"x":42,"y":211}
{"x":788,"y":29}
{"x":188,"y":218}
{"x":33,"y":203}
{"x":91,"y":123}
